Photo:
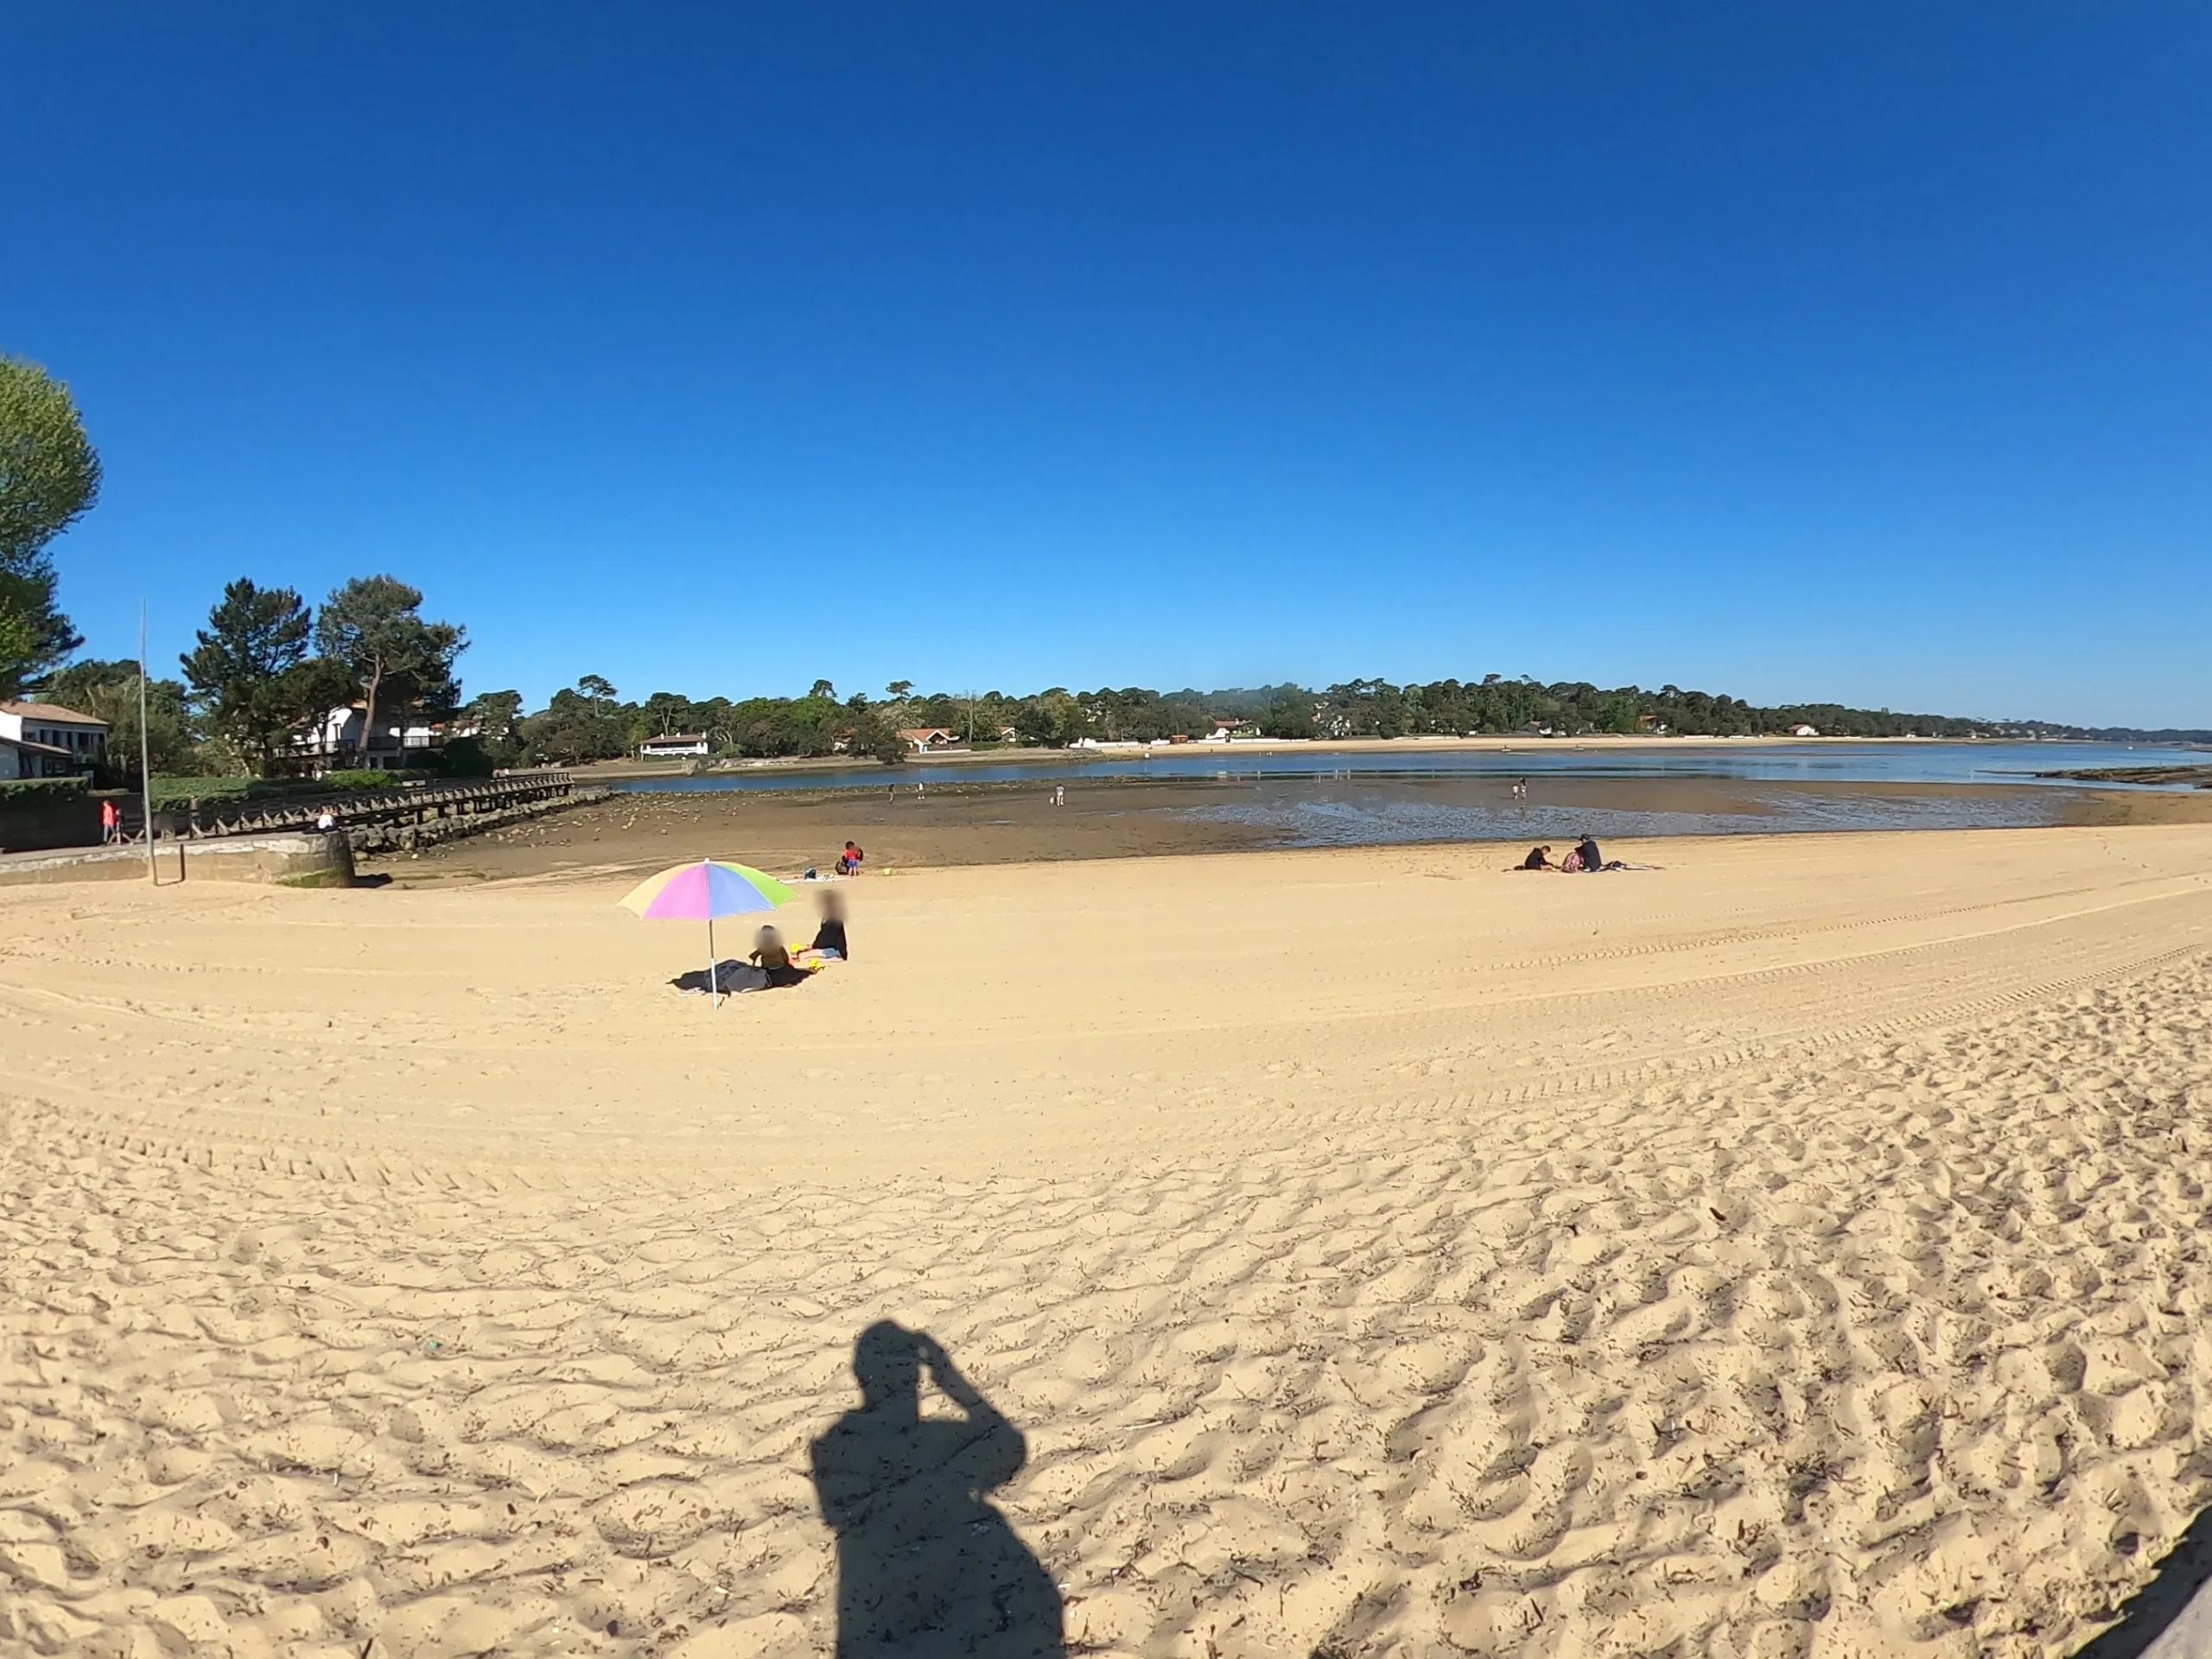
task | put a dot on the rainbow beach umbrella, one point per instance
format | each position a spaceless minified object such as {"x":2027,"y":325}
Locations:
{"x":701,"y":891}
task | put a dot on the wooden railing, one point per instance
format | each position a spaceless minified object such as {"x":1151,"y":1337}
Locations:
{"x":401,"y":805}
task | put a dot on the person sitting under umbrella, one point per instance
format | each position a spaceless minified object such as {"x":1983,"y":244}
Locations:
{"x":771,"y":956}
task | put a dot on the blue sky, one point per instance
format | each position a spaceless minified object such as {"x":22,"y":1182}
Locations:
{"x":1853,"y":351}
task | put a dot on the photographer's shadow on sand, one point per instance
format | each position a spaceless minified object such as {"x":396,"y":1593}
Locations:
{"x":925,"y":1566}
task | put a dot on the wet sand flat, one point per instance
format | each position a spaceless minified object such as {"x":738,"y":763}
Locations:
{"x":1795,"y":1249}
{"x":787,"y":829}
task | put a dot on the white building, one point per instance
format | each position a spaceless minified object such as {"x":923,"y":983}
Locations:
{"x":923,"y":739}
{"x":399,"y":743}
{"x":43,"y":740}
{"x":671,"y":744}
{"x":1802,"y":730}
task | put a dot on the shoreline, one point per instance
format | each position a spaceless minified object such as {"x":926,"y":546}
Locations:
{"x":970,"y":822}
{"x":630,"y":769}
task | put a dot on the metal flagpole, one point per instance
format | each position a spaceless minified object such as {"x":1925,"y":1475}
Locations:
{"x":145,"y":751}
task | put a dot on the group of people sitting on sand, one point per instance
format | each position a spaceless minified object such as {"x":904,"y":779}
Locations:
{"x":773,"y":962}
{"x":1584,"y":857}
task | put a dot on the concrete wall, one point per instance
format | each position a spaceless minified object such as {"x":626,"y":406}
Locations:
{"x":296,"y":861}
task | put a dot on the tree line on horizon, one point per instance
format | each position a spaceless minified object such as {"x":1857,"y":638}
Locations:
{"x":592,"y":721}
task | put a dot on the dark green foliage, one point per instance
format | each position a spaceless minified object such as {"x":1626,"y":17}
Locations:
{"x":108,"y":692}
{"x":1290,"y":713}
{"x":497,"y":718}
{"x":180,"y":791}
{"x":871,"y":733}
{"x":184,"y":791}
{"x":250,"y":673}
{"x":19,"y":791}
{"x":572,"y":729}
{"x":575,"y":727}
{"x":49,"y":475}
{"x":466,"y":757}
{"x":374,"y":626}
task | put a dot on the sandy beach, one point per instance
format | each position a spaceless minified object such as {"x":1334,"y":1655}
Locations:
{"x":1795,"y":1249}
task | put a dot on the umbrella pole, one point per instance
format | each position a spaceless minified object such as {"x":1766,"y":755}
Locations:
{"x":713,"y":980}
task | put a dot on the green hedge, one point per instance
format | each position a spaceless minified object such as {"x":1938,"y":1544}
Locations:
{"x":24,"y":790}
{"x":182,"y":792}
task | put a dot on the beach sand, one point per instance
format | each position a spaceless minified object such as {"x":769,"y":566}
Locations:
{"x":1797,"y":1248}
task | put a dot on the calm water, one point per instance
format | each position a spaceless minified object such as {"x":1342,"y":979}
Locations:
{"x":1872,"y":763}
{"x":1412,"y":792}
{"x":1323,"y":814}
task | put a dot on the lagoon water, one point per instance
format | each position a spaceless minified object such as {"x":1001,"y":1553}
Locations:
{"x":1325,"y":813}
{"x":1915,"y":762}
{"x":1416,"y":793}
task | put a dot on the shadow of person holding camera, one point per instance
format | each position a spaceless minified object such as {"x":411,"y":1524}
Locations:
{"x":925,"y":1566}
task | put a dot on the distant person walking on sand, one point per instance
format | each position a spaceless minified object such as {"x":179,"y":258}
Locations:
{"x":849,"y":861}
{"x":1059,"y":795}
{"x":111,"y":822}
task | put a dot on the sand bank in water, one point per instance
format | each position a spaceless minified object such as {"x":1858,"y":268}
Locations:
{"x":1797,"y":1249}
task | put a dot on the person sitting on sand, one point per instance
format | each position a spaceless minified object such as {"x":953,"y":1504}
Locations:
{"x":1540,"y":858}
{"x":830,"y":936}
{"x":1591,"y":858}
{"x":772,"y":958}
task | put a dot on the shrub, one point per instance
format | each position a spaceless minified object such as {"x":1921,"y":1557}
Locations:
{"x":465,"y":757}
{"x":24,"y":792}
{"x":182,"y":792}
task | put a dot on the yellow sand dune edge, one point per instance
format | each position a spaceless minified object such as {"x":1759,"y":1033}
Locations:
{"x":1793,"y":1249}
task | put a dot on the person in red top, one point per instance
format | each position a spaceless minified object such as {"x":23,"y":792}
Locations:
{"x":111,"y":822}
{"x":849,"y":861}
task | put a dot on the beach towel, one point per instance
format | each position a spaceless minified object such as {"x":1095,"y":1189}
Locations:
{"x":731,"y":976}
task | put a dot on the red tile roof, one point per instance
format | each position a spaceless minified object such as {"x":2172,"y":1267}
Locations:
{"x":51,"y":711}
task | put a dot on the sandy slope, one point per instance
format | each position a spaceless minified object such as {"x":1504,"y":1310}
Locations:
{"x":1793,"y":1249}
